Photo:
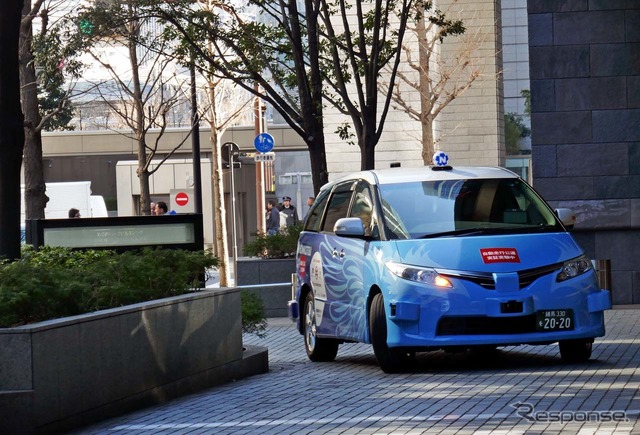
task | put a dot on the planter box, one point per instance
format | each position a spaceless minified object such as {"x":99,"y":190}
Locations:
{"x":69,"y":372}
{"x":270,"y":279}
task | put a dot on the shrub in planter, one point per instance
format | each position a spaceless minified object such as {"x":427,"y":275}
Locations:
{"x":280,"y":245}
{"x":58,"y":282}
{"x":253,"y":320}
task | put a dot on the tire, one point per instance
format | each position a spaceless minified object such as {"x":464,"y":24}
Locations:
{"x":318,"y":349}
{"x":575,"y":351}
{"x":390,"y":360}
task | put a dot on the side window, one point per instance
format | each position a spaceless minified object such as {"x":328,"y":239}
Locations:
{"x":337,"y":208}
{"x":314,"y":219}
{"x":363,"y":208}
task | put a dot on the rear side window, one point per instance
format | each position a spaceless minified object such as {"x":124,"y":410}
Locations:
{"x":337,"y":208}
{"x":314,"y":219}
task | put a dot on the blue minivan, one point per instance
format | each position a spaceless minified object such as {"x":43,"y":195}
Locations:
{"x":441,"y":257}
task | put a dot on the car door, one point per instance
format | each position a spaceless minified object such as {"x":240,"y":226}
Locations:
{"x":344,"y":262}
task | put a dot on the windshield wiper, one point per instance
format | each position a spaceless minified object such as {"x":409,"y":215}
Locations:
{"x":461,"y":232}
{"x":489,"y":230}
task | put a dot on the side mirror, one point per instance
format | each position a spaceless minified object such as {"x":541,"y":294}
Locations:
{"x":349,"y":227}
{"x":567,"y":217}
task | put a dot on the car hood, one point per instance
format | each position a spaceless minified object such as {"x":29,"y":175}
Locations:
{"x":503,"y":253}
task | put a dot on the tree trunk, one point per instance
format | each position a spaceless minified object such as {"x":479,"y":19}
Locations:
{"x":428,"y":148}
{"x":317,"y":155}
{"x":35,"y":197}
{"x":316,"y":145}
{"x":138,"y":124}
{"x":426,"y":118}
{"x":367,"y":142}
{"x":11,"y":130}
{"x":219,"y":210}
{"x":145,"y":195}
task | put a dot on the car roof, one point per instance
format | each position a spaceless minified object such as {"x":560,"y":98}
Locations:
{"x":426,"y":173}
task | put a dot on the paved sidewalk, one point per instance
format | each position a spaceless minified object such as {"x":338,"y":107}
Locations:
{"x":519,"y":390}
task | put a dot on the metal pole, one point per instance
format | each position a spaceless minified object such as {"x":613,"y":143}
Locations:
{"x":233,"y":218}
{"x":195,"y":142}
{"x":260,"y":196}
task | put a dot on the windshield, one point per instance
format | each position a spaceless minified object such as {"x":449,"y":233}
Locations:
{"x":463,"y":207}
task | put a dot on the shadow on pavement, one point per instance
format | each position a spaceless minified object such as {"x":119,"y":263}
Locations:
{"x":505,"y":359}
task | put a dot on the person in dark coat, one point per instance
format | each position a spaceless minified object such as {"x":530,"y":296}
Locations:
{"x":273,"y":218}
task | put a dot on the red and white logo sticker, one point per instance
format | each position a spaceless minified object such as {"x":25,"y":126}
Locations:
{"x":302,"y":267}
{"x":499,"y":255}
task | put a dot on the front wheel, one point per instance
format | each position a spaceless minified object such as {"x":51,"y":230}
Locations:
{"x":318,"y":349}
{"x":390,"y":360}
{"x":575,"y":351}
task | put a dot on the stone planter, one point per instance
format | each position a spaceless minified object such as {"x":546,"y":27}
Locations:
{"x":69,"y":372}
{"x":270,"y":279}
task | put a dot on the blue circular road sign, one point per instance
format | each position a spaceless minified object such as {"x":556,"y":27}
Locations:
{"x":263,"y":142}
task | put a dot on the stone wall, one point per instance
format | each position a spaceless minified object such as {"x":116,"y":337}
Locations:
{"x":585,"y":85}
{"x":270,"y":279}
{"x":65,"y":373}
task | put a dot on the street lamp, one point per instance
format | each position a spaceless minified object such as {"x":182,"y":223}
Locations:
{"x":230,"y":151}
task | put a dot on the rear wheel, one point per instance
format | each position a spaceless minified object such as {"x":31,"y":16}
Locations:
{"x":318,"y":349}
{"x":390,"y":360}
{"x":575,"y":351}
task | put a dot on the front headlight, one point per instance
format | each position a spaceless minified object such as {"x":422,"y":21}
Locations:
{"x":418,"y":274}
{"x":573,"y":268}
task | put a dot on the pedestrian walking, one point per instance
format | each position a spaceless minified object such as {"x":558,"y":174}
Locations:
{"x":273,"y":218}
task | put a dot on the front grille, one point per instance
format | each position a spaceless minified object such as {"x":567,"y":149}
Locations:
{"x":485,"y":280}
{"x":528,"y":276}
{"x":481,"y":325}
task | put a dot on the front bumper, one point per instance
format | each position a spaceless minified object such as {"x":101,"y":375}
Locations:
{"x":471,"y":316}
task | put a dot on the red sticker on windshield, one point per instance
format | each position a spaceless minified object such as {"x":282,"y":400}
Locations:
{"x":499,"y":255}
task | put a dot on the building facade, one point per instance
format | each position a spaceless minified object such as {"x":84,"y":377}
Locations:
{"x":585,"y":85}
{"x":470,"y":129}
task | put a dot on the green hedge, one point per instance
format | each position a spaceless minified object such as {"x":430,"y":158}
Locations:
{"x":57,"y":282}
{"x":280,"y":245}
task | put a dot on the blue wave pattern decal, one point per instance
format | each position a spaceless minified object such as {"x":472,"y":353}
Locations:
{"x":345,"y":275}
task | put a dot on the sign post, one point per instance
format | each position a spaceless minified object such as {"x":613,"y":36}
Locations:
{"x":263,"y":143}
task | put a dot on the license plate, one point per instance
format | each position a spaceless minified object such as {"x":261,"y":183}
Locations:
{"x":554,"y":320}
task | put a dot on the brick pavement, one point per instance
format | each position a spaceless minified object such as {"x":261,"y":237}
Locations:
{"x":444,"y":393}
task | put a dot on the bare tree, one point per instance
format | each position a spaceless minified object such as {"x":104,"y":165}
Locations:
{"x":139,"y":94}
{"x":11,"y":130}
{"x":439,"y":80}
{"x":275,"y":44}
{"x":363,"y":39}
{"x":226,"y":105}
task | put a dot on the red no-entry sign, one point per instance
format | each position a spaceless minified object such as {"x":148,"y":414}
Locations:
{"x":182,"y":199}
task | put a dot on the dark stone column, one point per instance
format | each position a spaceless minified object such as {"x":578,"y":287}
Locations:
{"x":585,"y":84}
